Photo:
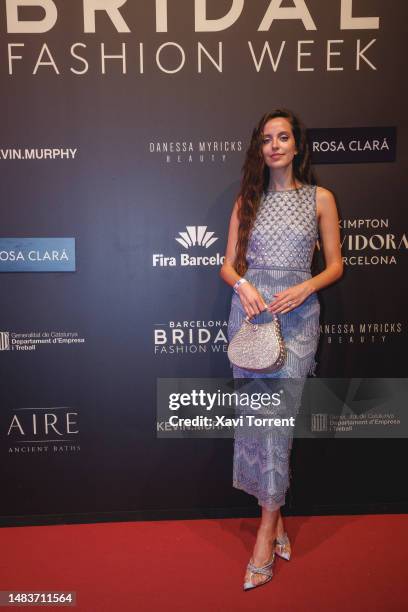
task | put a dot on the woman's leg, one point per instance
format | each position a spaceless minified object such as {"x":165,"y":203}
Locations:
{"x":271,"y":526}
{"x":264,"y":544}
{"x":280,"y":528}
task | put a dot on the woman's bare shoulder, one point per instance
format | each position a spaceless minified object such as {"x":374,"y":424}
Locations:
{"x":324,"y":194}
{"x":325,"y":201}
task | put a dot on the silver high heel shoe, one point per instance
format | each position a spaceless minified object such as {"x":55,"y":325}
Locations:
{"x":282,"y":547}
{"x":266,"y":570}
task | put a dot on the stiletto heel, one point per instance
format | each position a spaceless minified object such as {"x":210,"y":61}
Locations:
{"x":266,"y":570}
{"x":282,"y":547}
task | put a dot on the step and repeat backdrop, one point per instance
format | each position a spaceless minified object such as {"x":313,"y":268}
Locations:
{"x":124,"y":130}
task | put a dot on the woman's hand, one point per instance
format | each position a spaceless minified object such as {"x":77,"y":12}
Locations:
{"x":290,"y":298}
{"x":251,"y":300}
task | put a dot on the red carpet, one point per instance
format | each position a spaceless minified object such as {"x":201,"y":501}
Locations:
{"x":350,"y":563}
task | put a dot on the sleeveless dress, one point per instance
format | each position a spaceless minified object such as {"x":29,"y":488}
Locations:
{"x":279,"y":254}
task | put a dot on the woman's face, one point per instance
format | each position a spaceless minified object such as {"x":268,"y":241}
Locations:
{"x":278,"y":143}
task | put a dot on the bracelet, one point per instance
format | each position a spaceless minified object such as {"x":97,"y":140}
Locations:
{"x":239,"y":282}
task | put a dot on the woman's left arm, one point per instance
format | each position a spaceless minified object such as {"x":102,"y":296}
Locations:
{"x":328,"y":221}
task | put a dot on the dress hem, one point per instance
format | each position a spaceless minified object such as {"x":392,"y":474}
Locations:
{"x":272,"y":506}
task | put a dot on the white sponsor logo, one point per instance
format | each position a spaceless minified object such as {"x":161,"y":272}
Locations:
{"x":30,"y":341}
{"x":4,"y":341}
{"x":360,"y":332}
{"x":34,"y":255}
{"x":122,"y":54}
{"x":201,"y":151}
{"x":324,"y":146}
{"x":195,"y":236}
{"x":370,"y":241}
{"x":45,"y":431}
{"x":190,"y":337}
{"x":37,"y":154}
{"x":113,"y":9}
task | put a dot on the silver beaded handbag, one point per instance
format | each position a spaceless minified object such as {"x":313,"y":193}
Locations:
{"x":258,"y":347}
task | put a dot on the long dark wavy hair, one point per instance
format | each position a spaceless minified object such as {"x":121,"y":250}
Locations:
{"x":255,"y":178}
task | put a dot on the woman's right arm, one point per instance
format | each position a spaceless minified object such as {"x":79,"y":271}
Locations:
{"x":251,"y":299}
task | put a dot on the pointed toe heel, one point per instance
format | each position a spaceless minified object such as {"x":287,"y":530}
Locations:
{"x":265,"y":570}
{"x":282,"y":547}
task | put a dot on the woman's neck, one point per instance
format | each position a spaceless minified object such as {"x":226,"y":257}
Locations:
{"x":283,"y":185}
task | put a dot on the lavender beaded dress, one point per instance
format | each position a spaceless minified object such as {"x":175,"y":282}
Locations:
{"x":279,"y":255}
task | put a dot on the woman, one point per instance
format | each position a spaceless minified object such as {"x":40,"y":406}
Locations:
{"x":274,"y":225}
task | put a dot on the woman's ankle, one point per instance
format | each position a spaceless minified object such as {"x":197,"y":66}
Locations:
{"x":267,"y":532}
